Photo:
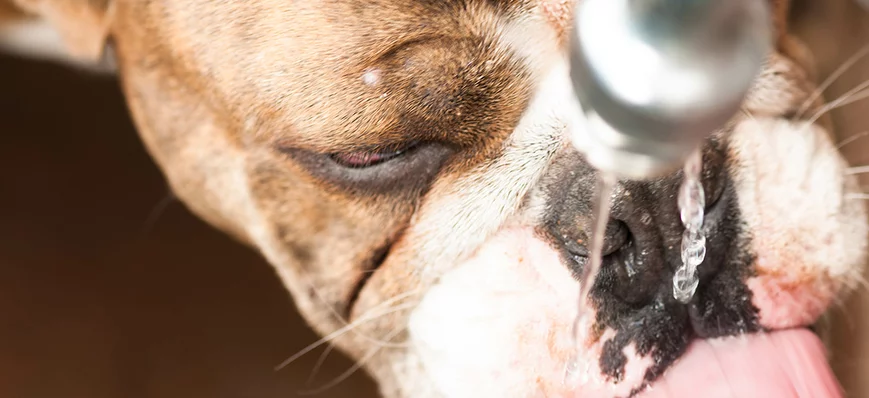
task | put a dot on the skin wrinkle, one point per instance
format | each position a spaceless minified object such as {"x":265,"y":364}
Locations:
{"x":216,"y":95}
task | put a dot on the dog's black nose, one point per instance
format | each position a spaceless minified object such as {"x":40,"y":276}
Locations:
{"x":633,"y":293}
{"x":643,"y":240}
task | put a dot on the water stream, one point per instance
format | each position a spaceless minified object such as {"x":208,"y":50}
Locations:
{"x":691,"y":202}
{"x":691,"y":207}
{"x":600,"y":217}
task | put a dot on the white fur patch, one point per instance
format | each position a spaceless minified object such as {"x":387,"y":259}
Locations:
{"x":498,"y":325}
{"x":532,"y":39}
{"x":809,"y":240}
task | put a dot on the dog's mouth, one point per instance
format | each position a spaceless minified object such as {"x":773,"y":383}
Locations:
{"x":740,"y":360}
{"x":511,"y":308}
{"x":720,"y":361}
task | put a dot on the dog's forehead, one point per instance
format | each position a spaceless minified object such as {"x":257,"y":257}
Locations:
{"x":366,"y":71}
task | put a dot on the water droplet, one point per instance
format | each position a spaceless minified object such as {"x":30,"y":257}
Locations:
{"x":630,"y":261}
{"x":693,"y":250}
{"x":575,"y":373}
{"x":684,"y":285}
{"x":577,"y":370}
{"x":693,"y":256}
{"x":571,"y":374}
{"x":692,"y":216}
{"x":691,"y":201}
{"x":693,"y":236}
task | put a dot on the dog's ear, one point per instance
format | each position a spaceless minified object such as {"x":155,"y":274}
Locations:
{"x":83,"y":25}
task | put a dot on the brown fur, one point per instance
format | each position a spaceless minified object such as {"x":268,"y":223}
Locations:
{"x":235,"y":99}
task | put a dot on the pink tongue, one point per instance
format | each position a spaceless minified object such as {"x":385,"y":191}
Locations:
{"x":788,"y":363}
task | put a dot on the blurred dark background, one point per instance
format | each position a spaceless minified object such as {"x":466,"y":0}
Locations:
{"x":109,"y":288}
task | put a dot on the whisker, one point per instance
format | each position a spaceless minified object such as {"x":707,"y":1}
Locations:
{"x":856,"y":285}
{"x":155,"y":214}
{"x":857,"y":196}
{"x":858,"y":96}
{"x":367,"y":317}
{"x":339,"y":316}
{"x":840,"y":303}
{"x":850,"y":97}
{"x":851,"y":139}
{"x":358,"y":365}
{"x":319,"y":364}
{"x":860,"y":283}
{"x":832,"y":78}
{"x":322,"y":359}
{"x":371,"y":339}
{"x":323,"y":300}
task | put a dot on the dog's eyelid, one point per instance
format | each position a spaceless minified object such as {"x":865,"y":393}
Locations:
{"x":370,"y":143}
{"x":371,"y":157}
{"x":410,"y":170}
{"x":353,"y":155}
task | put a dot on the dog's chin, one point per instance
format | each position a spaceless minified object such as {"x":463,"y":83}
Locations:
{"x":499,"y":324}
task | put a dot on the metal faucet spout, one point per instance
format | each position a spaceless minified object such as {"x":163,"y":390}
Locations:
{"x":656,"y":77}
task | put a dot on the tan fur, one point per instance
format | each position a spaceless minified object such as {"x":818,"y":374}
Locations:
{"x":8,"y":12}
{"x":228,"y":96}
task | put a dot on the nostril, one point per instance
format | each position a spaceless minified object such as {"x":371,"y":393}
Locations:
{"x":716,"y":205}
{"x":713,"y":178}
{"x":633,"y":271}
{"x":617,"y":235}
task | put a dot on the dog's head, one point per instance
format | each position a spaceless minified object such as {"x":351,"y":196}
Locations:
{"x":404,"y":166}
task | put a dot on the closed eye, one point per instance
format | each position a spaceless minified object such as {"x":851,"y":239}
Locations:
{"x":363,"y":159}
{"x":407,"y":167}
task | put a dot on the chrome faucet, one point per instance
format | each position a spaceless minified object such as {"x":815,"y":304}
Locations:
{"x":655,"y":78}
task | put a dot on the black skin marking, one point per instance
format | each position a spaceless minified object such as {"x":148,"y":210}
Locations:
{"x":645,"y":224}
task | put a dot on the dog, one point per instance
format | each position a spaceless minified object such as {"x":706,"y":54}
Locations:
{"x":405,"y":167}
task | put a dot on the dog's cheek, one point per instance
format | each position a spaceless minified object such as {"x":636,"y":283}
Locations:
{"x":324,"y":244}
{"x":807,"y":238}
